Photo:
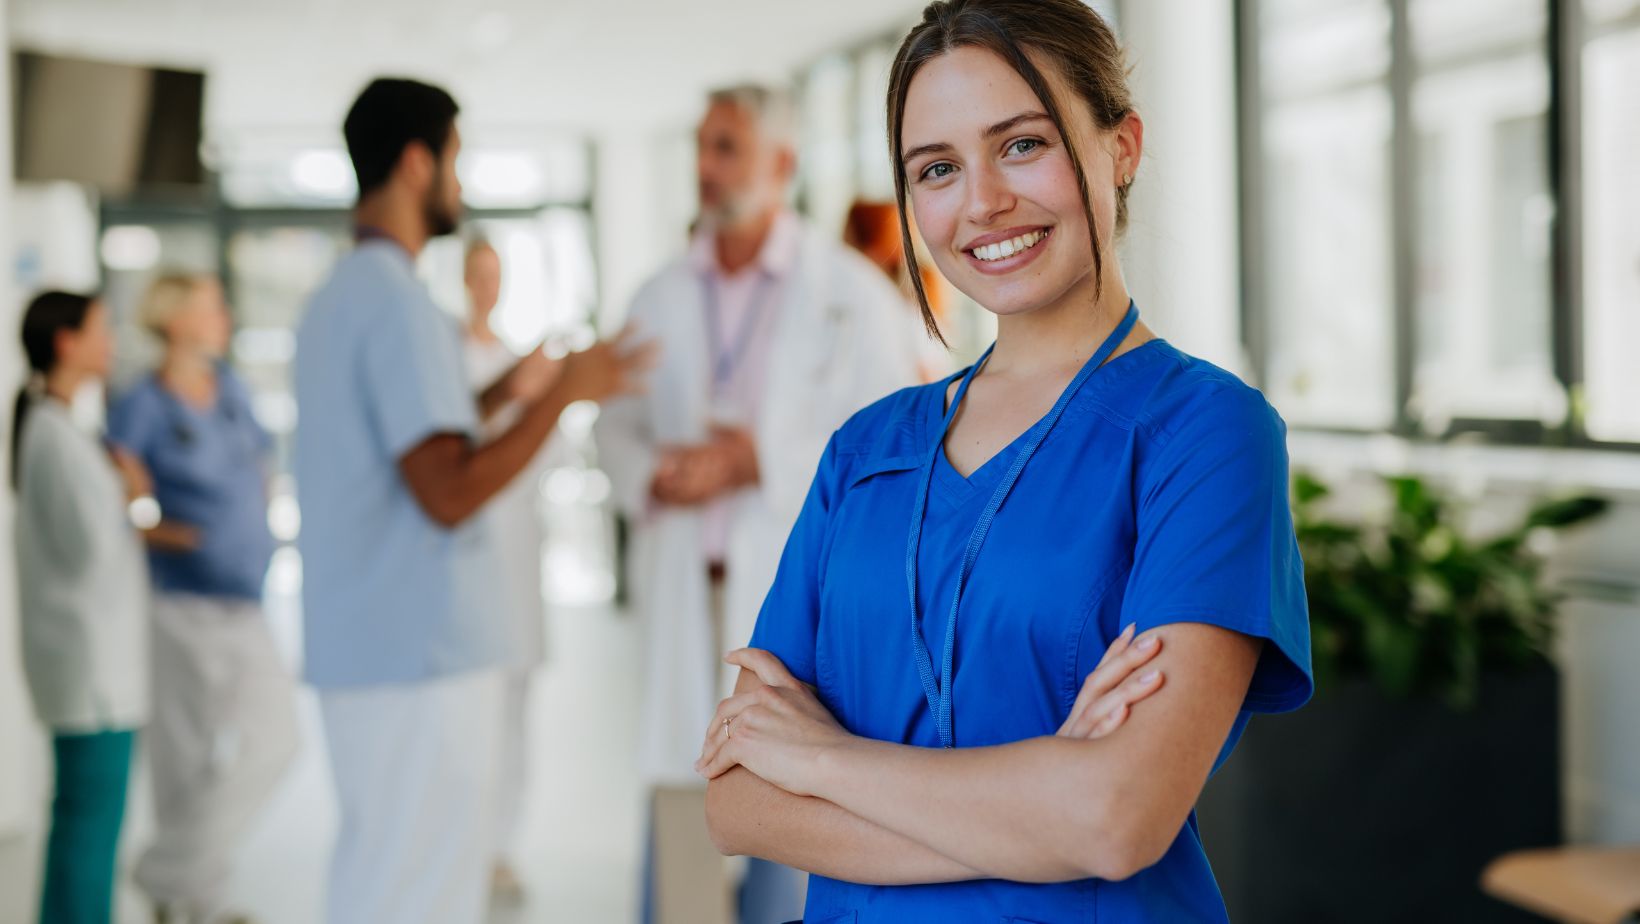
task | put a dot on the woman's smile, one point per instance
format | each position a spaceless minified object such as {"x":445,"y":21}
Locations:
{"x":1006,"y":251}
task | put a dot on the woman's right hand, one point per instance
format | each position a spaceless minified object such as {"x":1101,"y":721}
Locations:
{"x":607,"y":369}
{"x":1118,"y":682}
{"x":171,"y":536}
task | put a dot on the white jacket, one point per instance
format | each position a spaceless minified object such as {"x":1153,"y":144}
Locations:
{"x":843,"y":338}
{"x":82,"y":577}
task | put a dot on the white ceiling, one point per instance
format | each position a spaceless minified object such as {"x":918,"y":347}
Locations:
{"x":292,"y":66}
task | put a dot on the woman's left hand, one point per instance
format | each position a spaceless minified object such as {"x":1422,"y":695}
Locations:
{"x":777,"y":730}
{"x":138,"y":483}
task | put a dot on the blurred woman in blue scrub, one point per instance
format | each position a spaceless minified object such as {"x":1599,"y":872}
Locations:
{"x":969,"y":549}
{"x":224,"y":725}
{"x":84,"y":597}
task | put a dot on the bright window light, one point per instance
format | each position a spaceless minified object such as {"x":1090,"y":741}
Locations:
{"x":322,"y":172}
{"x":501,"y":175}
{"x":130,"y":247}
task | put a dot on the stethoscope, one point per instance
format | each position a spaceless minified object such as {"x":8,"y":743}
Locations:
{"x":938,"y":691}
{"x":183,"y":430}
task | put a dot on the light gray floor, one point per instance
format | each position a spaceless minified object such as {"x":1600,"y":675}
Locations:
{"x":582,"y":814}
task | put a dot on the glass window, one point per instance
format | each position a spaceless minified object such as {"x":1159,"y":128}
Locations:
{"x":1484,"y":213}
{"x":1325,"y":177}
{"x":548,"y":283}
{"x":874,"y":167}
{"x":827,"y":141}
{"x":1611,"y":234}
{"x":272,"y":271}
{"x":1608,"y":10}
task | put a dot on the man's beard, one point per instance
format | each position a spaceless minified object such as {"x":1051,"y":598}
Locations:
{"x":731,"y":209}
{"x":441,"y":220}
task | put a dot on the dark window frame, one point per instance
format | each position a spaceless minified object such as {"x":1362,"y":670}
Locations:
{"x":1564,"y":41}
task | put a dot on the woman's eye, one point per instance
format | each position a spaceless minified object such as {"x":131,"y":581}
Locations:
{"x":938,"y":171}
{"x":1024,"y":146}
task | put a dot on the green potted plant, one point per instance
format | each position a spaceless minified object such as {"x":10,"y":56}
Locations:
{"x":1415,"y":603}
{"x":1432,"y":743}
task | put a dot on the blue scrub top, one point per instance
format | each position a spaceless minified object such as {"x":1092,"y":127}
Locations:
{"x":209,"y":470}
{"x":1160,"y":497}
{"x":389,"y":596}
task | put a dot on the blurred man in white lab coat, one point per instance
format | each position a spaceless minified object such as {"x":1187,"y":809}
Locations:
{"x":771,"y":334}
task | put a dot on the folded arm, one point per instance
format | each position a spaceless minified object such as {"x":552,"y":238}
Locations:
{"x":1042,"y":810}
{"x":748,"y":815}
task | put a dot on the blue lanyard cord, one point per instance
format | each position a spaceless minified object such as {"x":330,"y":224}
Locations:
{"x":724,"y":362}
{"x":939,"y":692}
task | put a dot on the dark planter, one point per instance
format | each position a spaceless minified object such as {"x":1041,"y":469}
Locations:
{"x":1360,"y":807}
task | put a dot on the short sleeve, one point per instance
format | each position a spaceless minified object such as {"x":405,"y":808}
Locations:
{"x":132,"y":421}
{"x":1216,"y":544}
{"x":414,"y":378}
{"x":789,"y":621}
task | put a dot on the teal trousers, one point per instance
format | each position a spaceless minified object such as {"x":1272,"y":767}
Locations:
{"x":86,"y":813}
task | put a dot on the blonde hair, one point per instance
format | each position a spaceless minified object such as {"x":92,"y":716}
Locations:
{"x":165,"y":296}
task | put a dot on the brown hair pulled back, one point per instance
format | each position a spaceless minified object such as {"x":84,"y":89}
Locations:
{"x":1066,"y":33}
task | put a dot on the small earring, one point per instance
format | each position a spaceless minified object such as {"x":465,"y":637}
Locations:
{"x":1127,"y":180}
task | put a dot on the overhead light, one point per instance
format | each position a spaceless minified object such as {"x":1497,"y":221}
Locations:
{"x":131,"y":248}
{"x":322,"y":172}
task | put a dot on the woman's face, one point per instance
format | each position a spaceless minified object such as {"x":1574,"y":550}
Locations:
{"x":89,"y":350}
{"x":992,"y":187}
{"x":201,"y":323}
{"x":483,"y":277}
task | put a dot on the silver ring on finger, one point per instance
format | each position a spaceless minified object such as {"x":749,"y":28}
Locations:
{"x":728,"y":732}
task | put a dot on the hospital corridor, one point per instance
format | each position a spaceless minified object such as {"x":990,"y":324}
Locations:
{"x":856,"y":462}
{"x":591,"y":879}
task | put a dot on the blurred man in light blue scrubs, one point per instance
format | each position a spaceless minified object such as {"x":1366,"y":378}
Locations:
{"x":402,"y":641}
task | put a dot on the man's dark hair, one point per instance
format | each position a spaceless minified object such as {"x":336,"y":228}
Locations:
{"x":390,"y":114}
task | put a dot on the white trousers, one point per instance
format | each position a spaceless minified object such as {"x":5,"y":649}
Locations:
{"x":513,"y":772}
{"x":222,"y":734}
{"x":415,"y":768}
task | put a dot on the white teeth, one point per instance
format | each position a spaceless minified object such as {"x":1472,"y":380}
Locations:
{"x":997,"y":251}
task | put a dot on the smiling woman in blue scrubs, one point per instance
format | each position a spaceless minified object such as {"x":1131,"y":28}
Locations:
{"x":970,"y":549}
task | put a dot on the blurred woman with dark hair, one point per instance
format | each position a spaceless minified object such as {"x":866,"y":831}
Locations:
{"x":84,"y":599}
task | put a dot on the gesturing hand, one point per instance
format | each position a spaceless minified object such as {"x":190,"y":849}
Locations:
{"x":533,"y":376}
{"x":608,"y":368}
{"x":776,"y":730}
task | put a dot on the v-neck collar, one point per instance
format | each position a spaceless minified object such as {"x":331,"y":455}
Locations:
{"x":958,"y":490}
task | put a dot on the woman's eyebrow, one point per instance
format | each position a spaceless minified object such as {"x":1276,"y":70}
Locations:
{"x":1003,"y":127}
{"x":1008,"y":125}
{"x":918,"y":151}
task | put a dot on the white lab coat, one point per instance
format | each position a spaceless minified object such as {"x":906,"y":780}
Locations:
{"x":843,"y":338}
{"x":82,"y":578}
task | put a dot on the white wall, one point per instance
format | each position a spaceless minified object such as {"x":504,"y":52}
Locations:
{"x":1180,"y":255}
{"x":644,"y":197}
{"x":623,"y":190}
{"x":18,"y":753}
